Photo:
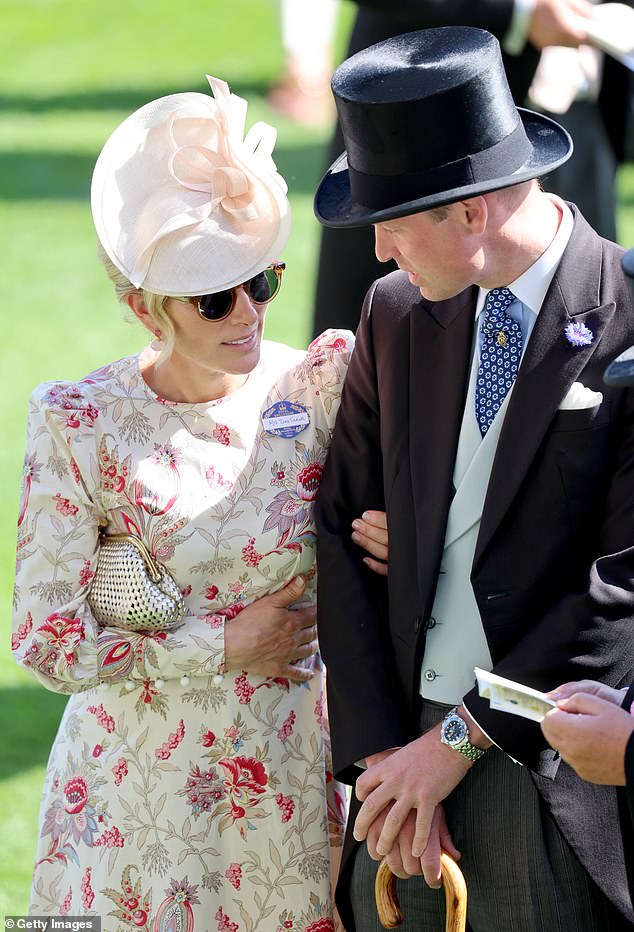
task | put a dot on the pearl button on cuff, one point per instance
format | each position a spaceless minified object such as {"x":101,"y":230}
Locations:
{"x":217,"y":679}
{"x":159,"y":683}
{"x":185,"y":680}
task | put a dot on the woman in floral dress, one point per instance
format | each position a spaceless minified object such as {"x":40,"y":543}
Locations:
{"x":189,"y":785}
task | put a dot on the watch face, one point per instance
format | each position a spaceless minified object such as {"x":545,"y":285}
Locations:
{"x":454,"y":730}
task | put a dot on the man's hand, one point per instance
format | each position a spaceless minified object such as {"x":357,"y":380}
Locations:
{"x":439,"y":838}
{"x":591,"y":735}
{"x":379,"y":757}
{"x":400,"y":859}
{"x":416,"y":777}
{"x":370,"y":532}
{"x":591,"y":687}
{"x":559,"y":22}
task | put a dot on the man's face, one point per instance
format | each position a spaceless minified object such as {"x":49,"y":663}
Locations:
{"x":439,"y":254}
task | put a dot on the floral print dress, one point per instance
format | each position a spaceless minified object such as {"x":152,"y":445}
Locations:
{"x":178,"y":795}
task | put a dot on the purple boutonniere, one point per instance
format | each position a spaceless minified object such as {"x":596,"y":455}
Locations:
{"x":579,"y":335}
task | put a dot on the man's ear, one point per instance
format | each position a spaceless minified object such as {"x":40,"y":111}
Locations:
{"x":137,"y":305}
{"x":473,"y":214}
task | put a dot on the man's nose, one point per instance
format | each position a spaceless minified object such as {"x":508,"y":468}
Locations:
{"x":382,"y":245}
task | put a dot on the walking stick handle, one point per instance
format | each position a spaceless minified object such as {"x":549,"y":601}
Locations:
{"x":388,"y":906}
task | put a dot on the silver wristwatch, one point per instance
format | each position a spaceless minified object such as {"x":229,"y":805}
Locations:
{"x":454,"y":732}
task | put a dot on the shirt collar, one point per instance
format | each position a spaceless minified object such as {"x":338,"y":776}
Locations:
{"x":531,"y":286}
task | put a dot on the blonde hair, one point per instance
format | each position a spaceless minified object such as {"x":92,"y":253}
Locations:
{"x":154,"y":303}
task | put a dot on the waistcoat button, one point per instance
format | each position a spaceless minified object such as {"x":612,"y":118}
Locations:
{"x":430,"y":675}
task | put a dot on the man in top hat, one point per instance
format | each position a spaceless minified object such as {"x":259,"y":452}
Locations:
{"x":599,"y":126}
{"x":474,"y":412}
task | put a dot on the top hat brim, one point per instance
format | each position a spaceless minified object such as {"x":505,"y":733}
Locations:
{"x":335,"y":206}
{"x":620,"y":372}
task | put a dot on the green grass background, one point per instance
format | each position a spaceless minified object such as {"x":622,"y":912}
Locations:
{"x":70,"y":71}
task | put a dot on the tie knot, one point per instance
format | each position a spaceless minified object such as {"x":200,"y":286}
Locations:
{"x":499,"y":298}
{"x":498,"y":301}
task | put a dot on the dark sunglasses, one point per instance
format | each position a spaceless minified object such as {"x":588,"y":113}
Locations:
{"x":261,"y":289}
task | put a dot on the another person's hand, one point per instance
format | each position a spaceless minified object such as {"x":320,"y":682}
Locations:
{"x":415,"y":777}
{"x":591,"y":735}
{"x":370,"y":532}
{"x":591,"y":687}
{"x":270,"y":639}
{"x":559,"y":22}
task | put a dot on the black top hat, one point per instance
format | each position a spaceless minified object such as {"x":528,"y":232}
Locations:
{"x":428,"y":119}
{"x":620,"y":372}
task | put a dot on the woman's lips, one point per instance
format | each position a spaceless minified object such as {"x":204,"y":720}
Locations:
{"x":243,"y":343}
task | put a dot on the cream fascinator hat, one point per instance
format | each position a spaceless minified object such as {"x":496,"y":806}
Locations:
{"x":183,"y":203}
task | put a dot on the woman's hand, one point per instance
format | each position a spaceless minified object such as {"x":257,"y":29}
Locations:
{"x":370,"y":532}
{"x":269,"y":639}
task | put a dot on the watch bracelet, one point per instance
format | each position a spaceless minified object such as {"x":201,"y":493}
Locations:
{"x":471,"y":752}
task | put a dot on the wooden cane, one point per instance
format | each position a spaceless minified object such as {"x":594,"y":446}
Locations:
{"x":388,"y":906}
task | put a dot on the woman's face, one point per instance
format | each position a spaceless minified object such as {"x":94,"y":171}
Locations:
{"x":230,"y":346}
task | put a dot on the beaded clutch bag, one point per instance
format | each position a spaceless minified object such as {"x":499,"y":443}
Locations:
{"x":131,"y":589}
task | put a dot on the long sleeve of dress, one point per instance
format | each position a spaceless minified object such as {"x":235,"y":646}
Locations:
{"x":55,"y":635}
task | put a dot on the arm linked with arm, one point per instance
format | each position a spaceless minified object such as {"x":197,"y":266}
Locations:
{"x":352,"y":601}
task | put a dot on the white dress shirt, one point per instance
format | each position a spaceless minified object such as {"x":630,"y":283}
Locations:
{"x":531,"y":287}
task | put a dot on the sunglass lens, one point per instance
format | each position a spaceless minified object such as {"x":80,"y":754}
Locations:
{"x":262,"y":287}
{"x":215,"y":306}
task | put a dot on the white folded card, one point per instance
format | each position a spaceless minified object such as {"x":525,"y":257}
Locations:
{"x":507,"y":696}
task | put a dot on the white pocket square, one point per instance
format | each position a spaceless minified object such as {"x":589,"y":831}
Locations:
{"x":580,"y":397}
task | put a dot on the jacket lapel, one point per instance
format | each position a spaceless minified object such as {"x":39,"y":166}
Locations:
{"x":550,"y":366}
{"x":441,"y":332}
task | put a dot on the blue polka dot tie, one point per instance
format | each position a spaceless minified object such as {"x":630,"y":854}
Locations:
{"x":500,"y":354}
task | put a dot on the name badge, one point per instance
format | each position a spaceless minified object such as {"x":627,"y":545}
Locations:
{"x":285,"y":419}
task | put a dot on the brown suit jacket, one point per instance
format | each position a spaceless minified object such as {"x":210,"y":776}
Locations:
{"x":554,"y":565}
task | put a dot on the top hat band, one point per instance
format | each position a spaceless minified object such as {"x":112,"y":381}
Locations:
{"x":379,"y":192}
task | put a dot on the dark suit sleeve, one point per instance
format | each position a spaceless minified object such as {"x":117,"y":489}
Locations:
{"x":363,"y":703}
{"x":494,"y":15}
{"x":586,"y":634}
